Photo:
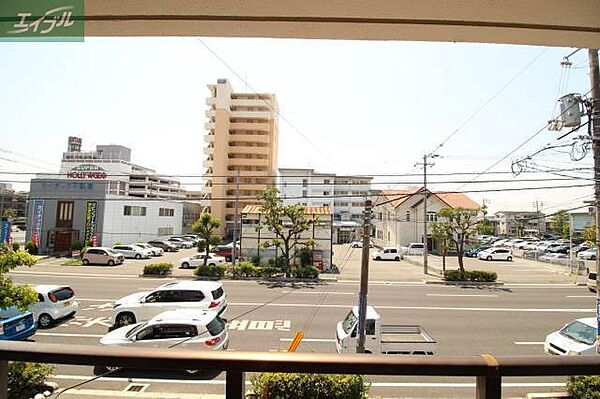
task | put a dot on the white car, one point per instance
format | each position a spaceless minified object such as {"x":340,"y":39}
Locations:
{"x":387,"y":253}
{"x":500,"y":243}
{"x":133,"y":251}
{"x":182,"y":242}
{"x":198,"y":260}
{"x":589,"y":254}
{"x":54,"y":302}
{"x":155,"y":251}
{"x":198,"y":295}
{"x":495,"y":254}
{"x":181,"y":329}
{"x":575,"y":338}
{"x":414,"y":248}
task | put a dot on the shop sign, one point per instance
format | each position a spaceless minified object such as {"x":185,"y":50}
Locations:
{"x":87,"y":171}
{"x":38,"y":219}
{"x":5,"y":231}
{"x":91,"y":215}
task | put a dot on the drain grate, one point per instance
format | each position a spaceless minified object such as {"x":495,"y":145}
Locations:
{"x":136,"y":387}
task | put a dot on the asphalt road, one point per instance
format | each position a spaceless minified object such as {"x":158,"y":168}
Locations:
{"x":512,"y":319}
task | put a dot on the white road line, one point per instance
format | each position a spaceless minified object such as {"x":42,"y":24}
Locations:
{"x":152,"y":395}
{"x":580,"y":296}
{"x":70,"y":335}
{"x":373,"y":384}
{"x":312,"y":305}
{"x":73,"y":274}
{"x":320,"y":292}
{"x":94,"y":300}
{"x":465,"y":295}
{"x":528,"y":343}
{"x":308,"y":340}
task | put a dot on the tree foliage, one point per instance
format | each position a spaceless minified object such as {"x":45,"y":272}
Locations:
{"x":459,"y":223}
{"x":11,"y":294}
{"x":485,"y":227}
{"x":287,"y":223}
{"x":589,"y":234}
{"x":205,"y":226}
{"x":559,"y":223}
{"x":9,"y":213}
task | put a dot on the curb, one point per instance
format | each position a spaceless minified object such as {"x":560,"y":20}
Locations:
{"x":206,"y":278}
{"x":442,"y":282}
{"x":548,"y":395}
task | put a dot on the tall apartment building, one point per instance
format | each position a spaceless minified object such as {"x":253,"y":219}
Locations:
{"x":242,"y":138}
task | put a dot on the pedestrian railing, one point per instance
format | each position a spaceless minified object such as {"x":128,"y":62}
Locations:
{"x":487,"y":370}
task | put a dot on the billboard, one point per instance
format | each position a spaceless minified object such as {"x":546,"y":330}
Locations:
{"x":5,"y":232}
{"x":37,"y":222}
{"x":91,"y":218}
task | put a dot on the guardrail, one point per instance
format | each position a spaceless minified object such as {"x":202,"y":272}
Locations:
{"x":487,"y":369}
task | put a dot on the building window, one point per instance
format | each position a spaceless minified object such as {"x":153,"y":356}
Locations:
{"x":304,"y":183}
{"x":166,"y":212}
{"x":325,"y":192}
{"x":64,"y":214}
{"x":165,"y":231}
{"x":326,"y":181}
{"x":129,"y":210}
{"x":431,"y":217}
{"x":304,"y":193}
{"x":408,"y":216}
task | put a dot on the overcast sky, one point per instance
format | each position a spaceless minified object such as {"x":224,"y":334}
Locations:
{"x":354,"y":107}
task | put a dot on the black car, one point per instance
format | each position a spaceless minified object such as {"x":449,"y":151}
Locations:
{"x":563,"y":249}
{"x":165,"y":245}
{"x":472,"y":252}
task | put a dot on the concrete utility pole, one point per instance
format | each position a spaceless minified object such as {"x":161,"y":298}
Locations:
{"x":235,"y":223}
{"x":595,"y":83}
{"x":364,"y":278}
{"x":425,"y":195}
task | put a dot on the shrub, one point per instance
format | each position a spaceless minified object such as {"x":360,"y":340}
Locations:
{"x":210,"y":271}
{"x":158,"y":269}
{"x":584,"y":386}
{"x":305,"y":257}
{"x":25,"y":379}
{"x":16,"y":246}
{"x":255,"y":260}
{"x":247,"y":269}
{"x":76,"y":245}
{"x":305,"y":272}
{"x":293,"y":385}
{"x":470,"y":275}
{"x":31,"y":248}
{"x":73,"y":262}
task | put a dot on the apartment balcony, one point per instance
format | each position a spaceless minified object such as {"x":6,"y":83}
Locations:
{"x":210,"y":113}
{"x":208,"y":150}
{"x":208,"y":163}
{"x":251,"y":138}
{"x":240,"y":149}
{"x":209,"y":138}
{"x":211,"y":101}
{"x":260,"y":126}
{"x":247,"y":162}
{"x":209,"y":126}
{"x":206,"y":190}
{"x":250,"y":102}
{"x":266,"y":115}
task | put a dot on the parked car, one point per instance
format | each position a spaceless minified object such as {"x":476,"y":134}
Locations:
{"x":155,"y":251}
{"x":591,"y":279}
{"x":55,"y":302}
{"x":182,"y":329}
{"x":16,"y":325}
{"x":387,"y":253}
{"x":199,"y":295}
{"x":191,"y":237}
{"x":133,"y":251}
{"x":575,"y":338}
{"x":359,"y":244}
{"x":589,"y":254}
{"x":472,"y":252}
{"x":495,"y":254}
{"x":414,"y":248}
{"x":223,"y":251}
{"x":164,"y":245}
{"x":560,"y":249}
{"x":102,"y":256}
{"x":499,"y":243}
{"x":198,"y":260}
{"x":180,"y":242}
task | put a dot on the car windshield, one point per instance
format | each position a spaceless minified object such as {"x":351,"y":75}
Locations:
{"x":349,"y":322}
{"x":111,"y":251}
{"x":216,"y":326}
{"x":579,"y":332}
{"x":135,"y":329}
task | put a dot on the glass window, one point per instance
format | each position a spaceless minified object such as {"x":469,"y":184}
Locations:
{"x":216,"y":326}
{"x":191,"y":296}
{"x":218,"y":293}
{"x":145,"y":334}
{"x":170,"y":331}
{"x":349,"y":322}
{"x":161,"y":296}
{"x":62,"y":294}
{"x":370,"y":327}
{"x":40,"y":298}
{"x":580,"y":332}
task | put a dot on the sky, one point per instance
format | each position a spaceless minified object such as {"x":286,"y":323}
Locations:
{"x":346,"y":107}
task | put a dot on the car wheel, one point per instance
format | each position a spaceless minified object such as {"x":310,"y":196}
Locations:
{"x":211,"y":264}
{"x":111,"y":262}
{"x":185,"y":265}
{"x":509,"y":258}
{"x":396,"y":258}
{"x":45,"y":320}
{"x":85,"y":262}
{"x":125,"y":319}
{"x":488,"y":258}
{"x":138,"y":256}
{"x":378,"y":258}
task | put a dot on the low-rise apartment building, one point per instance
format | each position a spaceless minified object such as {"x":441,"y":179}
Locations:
{"x":519,"y":223}
{"x":320,"y":233}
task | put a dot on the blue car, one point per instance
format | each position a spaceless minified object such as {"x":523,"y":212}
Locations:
{"x":16,"y":325}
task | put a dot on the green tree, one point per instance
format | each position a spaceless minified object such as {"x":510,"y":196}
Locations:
{"x":287,"y":223}
{"x":485,"y":227}
{"x":559,"y":223}
{"x":441,"y":233}
{"x":589,"y":234}
{"x":9,"y":214}
{"x":12,"y":294}
{"x":460,"y":224}
{"x":205,"y":226}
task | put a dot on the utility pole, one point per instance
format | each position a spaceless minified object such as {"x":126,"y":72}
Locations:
{"x":425,"y":195}
{"x":595,"y":83}
{"x":235,"y":223}
{"x":364,"y":278}
{"x":537,"y":214}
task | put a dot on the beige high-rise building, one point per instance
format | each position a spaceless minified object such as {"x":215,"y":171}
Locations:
{"x":242,"y":135}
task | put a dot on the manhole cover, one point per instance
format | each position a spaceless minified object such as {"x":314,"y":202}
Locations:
{"x":136,"y":387}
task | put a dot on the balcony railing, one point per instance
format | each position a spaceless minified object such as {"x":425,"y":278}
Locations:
{"x":487,"y":369}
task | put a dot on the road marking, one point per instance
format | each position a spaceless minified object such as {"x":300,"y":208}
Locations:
{"x":308,"y":340}
{"x":319,"y":292}
{"x":153,"y":395}
{"x":74,"y":274}
{"x":466,"y":295}
{"x":373,"y":384}
{"x":312,"y":305}
{"x":580,"y":296}
{"x":70,"y":335}
{"x":528,"y":343}
{"x":94,"y":300}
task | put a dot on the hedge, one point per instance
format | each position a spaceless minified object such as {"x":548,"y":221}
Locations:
{"x":31,"y":248}
{"x":305,"y":272}
{"x":16,"y":246}
{"x":247,"y":269}
{"x":470,"y":275}
{"x":584,"y":387}
{"x":210,"y":271}
{"x":158,"y":269}
{"x":316,"y":386}
{"x":26,"y":379}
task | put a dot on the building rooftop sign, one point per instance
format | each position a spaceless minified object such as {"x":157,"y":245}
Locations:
{"x":87,"y":171}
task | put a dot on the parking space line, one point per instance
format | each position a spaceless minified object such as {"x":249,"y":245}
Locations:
{"x":528,"y":343}
{"x":319,"y":292}
{"x":94,"y":300}
{"x":463,"y":295}
{"x":580,"y":296}
{"x":70,"y":335}
{"x":308,"y":340}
